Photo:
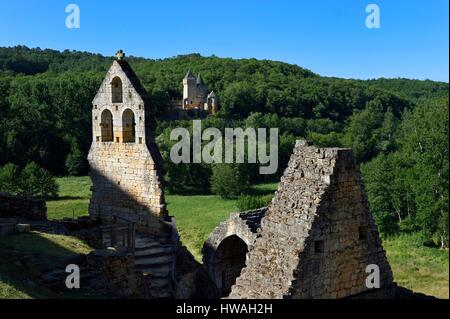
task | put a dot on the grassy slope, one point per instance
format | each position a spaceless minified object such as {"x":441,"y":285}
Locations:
{"x":49,"y":244}
{"x":15,"y":280}
{"x":14,"y":283}
{"x":421,"y":269}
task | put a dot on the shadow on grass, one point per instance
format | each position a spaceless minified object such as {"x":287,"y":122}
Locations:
{"x":263,"y":189}
{"x":259,"y":192}
{"x":16,"y":282}
{"x":24,"y":257}
{"x":36,"y":243}
{"x":68,"y":198}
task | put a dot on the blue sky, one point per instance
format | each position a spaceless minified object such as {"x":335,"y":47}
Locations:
{"x":328,"y":37}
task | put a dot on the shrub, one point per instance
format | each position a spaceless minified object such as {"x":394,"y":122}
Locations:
{"x":37,"y":182}
{"x":10,"y":179}
{"x":31,"y":181}
{"x":230,"y":180}
{"x":76,"y":162}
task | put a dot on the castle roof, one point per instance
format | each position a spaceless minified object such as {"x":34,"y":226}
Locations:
{"x":199,"y":79}
{"x":189,"y":75}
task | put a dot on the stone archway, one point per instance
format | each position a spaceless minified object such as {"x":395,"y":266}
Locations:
{"x":228,"y":262}
{"x":225,"y":250}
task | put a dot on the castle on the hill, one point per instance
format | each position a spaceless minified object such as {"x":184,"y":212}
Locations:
{"x":196,"y":96}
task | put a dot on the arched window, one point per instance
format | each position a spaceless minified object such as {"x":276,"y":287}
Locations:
{"x":128,"y":126}
{"x":107,"y":126}
{"x":116,"y":90}
{"x":229,"y":261}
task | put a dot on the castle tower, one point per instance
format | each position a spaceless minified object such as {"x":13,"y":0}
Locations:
{"x":211,"y":103}
{"x":124,"y":160}
{"x":201,"y":88}
{"x":189,"y":90}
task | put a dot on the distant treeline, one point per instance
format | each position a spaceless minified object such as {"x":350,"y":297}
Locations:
{"x":397,"y":127}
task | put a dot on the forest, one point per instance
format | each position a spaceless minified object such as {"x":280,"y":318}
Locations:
{"x":397,"y":128}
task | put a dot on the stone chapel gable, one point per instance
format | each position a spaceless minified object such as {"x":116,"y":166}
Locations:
{"x":126,"y":166}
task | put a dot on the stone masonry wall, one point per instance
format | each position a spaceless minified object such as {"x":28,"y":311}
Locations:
{"x":28,"y":208}
{"x":318,"y":236}
{"x":125,"y":183}
{"x":113,"y":273}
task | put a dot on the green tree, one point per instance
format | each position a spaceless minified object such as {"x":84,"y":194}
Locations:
{"x":38,"y":182}
{"x":239,"y":99}
{"x":362,"y":134}
{"x":423,"y":144}
{"x":378,"y":176}
{"x":10,"y":179}
{"x":408,"y":188}
{"x":76,"y":163}
{"x":229,"y":180}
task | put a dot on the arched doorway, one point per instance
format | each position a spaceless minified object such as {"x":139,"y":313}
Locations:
{"x":228,"y":262}
{"x":107,"y":126}
{"x":116,"y":90}
{"x":128,"y":126}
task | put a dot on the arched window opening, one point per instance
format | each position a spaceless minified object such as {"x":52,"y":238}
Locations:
{"x":128,"y":126}
{"x":107,"y":126}
{"x":116,"y":90}
{"x":229,"y":260}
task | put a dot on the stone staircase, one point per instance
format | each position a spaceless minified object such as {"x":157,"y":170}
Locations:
{"x":154,"y":257}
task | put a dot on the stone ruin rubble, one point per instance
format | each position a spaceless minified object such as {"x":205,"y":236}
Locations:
{"x":315,"y":239}
{"x":17,"y":211}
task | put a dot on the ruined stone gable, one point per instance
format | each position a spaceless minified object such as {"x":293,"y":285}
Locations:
{"x":318,"y":236}
{"x":125,"y":163}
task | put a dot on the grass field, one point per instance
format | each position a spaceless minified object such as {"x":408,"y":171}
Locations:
{"x":74,"y":195}
{"x":197,"y":216}
{"x":421,"y":269}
